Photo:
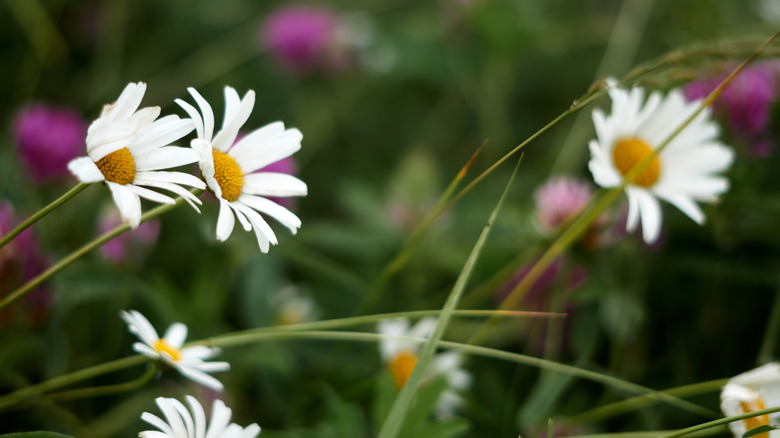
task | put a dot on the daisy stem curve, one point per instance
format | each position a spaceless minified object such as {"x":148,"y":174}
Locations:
{"x":246,"y":337}
{"x":42,"y":212}
{"x":77,"y":254}
{"x":583,"y":221}
{"x":719,"y":422}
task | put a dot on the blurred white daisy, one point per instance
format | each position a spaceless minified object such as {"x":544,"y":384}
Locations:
{"x":401,"y":355}
{"x":293,"y":306}
{"x":182,"y":423}
{"x":752,"y":391}
{"x":127,"y":148}
{"x":229,"y":169}
{"x":188,"y":361}
{"x":684,"y":172}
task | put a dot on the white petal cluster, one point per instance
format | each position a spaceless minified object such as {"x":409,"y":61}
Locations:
{"x":751,"y":391}
{"x":122,"y":125}
{"x":256,"y":150}
{"x":182,"y":423}
{"x":190,"y":361}
{"x":448,"y":364}
{"x":689,"y":164}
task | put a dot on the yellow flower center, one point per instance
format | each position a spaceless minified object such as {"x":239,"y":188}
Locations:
{"x":630,"y":151}
{"x":118,"y":167}
{"x":161,"y":346}
{"x":401,"y":367}
{"x":228,"y":174}
{"x":759,"y":420}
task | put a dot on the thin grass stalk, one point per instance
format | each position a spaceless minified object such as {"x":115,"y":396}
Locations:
{"x":77,"y":254}
{"x":42,"y":212}
{"x":395,"y":418}
{"x":767,"y":351}
{"x":722,"y":421}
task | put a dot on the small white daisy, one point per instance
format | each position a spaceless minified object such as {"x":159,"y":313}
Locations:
{"x":188,"y":361}
{"x":450,"y":365}
{"x":230,"y":169}
{"x":293,"y":306}
{"x":127,"y":148}
{"x":182,"y":423}
{"x":752,"y":391}
{"x":684,"y":172}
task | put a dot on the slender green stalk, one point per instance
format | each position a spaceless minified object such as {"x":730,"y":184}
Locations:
{"x":642,"y":401}
{"x":43,"y":212}
{"x":395,"y":418}
{"x":77,"y":254}
{"x":771,"y":333}
{"x":68,"y":379}
{"x":722,"y":421}
{"x":651,"y":433}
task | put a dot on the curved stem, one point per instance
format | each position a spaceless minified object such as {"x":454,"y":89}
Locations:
{"x":77,"y":254}
{"x":716,"y":423}
{"x":43,"y":212}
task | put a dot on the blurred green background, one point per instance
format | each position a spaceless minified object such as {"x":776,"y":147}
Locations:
{"x":422,"y":85}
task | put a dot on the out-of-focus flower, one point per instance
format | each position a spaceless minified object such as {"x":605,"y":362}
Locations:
{"x":21,"y":259}
{"x":292,"y":306}
{"x":400,"y":355}
{"x":684,"y":172}
{"x":130,"y":245}
{"x":188,"y":361}
{"x":559,"y":200}
{"x":745,"y":103}
{"x":48,"y":137}
{"x":304,"y":38}
{"x":127,"y":149}
{"x":229,"y":167}
{"x":752,"y":391}
{"x":182,"y":423}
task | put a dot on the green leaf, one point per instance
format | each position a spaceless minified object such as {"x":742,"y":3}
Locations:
{"x":39,"y":434}
{"x":384,"y":394}
{"x":444,"y":429}
{"x":426,"y":399}
{"x":758,"y":430}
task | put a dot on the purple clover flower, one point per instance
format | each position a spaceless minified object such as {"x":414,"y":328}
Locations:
{"x":559,"y":200}
{"x":48,"y":137}
{"x":299,"y":36}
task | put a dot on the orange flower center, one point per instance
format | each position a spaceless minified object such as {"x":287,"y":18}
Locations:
{"x":753,"y":422}
{"x":630,"y":151}
{"x":118,"y":167}
{"x":401,"y":367}
{"x":228,"y":174}
{"x":161,"y":346}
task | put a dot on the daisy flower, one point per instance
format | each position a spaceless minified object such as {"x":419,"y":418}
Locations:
{"x":752,"y":391}
{"x":127,"y":148}
{"x":400,"y":355}
{"x":183,"y":423}
{"x":230,"y":169}
{"x":684,"y":172}
{"x":188,"y":361}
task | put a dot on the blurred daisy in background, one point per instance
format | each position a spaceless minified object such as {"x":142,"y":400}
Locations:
{"x":293,"y":306}
{"x":685,"y":171}
{"x":127,"y":148}
{"x":182,"y":423}
{"x":400,"y":356}
{"x":188,"y":361}
{"x":752,"y":391}
{"x":228,"y":167}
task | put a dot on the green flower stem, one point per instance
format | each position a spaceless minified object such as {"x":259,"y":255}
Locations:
{"x":43,"y":212}
{"x":77,"y":254}
{"x":768,"y":344}
{"x":716,"y":423}
{"x":68,"y":379}
{"x":391,"y":427}
{"x":581,"y":224}
{"x":652,"y":433}
{"x":244,"y":337}
{"x":634,"y":403}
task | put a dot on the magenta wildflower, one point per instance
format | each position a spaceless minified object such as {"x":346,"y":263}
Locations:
{"x":48,"y":137}
{"x":299,"y":35}
{"x":746,"y":103}
{"x":559,"y":200}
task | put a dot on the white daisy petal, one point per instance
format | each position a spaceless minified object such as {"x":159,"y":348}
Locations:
{"x":199,"y":352}
{"x":146,"y":350}
{"x":205,"y":110}
{"x":186,"y":417}
{"x":191,"y":199}
{"x":276,"y":211}
{"x":166,"y":157}
{"x":194,"y":116}
{"x":128,"y":203}
{"x":264,"y":154}
{"x":200,"y":416}
{"x":241,"y":218}
{"x":85,"y":170}
{"x":225,"y":221}
{"x":200,"y":378}
{"x":176,"y":334}
{"x":150,"y":194}
{"x":264,"y":233}
{"x":650,"y":212}
{"x":158,"y":423}
{"x":220,"y":417}
{"x":162,"y":132}
{"x":685,"y":204}
{"x":274,"y":184}
{"x":227,"y":135}
{"x":172,"y":415}
{"x":193,"y":423}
